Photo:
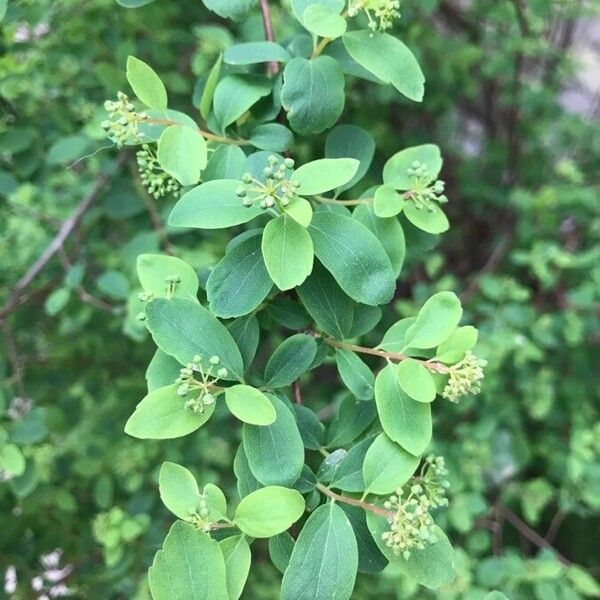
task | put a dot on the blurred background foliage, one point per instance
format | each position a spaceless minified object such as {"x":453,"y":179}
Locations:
{"x":511,"y":102}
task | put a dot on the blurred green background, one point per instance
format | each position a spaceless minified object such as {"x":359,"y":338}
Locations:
{"x":513,"y":102}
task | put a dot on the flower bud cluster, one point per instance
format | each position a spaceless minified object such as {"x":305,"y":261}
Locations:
{"x":422,"y":195}
{"x":203,"y":388}
{"x":384,"y":12}
{"x":411,"y":525}
{"x":465,"y":378}
{"x":158,"y":182}
{"x":276,"y":190}
{"x":199,"y":514}
{"x":122,"y":124}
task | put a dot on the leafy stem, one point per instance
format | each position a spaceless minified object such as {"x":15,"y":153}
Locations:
{"x":382,"y":512}
{"x":207,"y":135}
{"x":433,"y":366}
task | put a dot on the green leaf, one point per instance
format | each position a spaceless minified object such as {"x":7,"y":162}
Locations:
{"x":300,"y":210}
{"x":436,"y":321}
{"x":226,"y":162}
{"x":208,"y":93}
{"x":326,"y":303}
{"x":431,"y":220}
{"x":299,"y":6}
{"x":274,"y":137}
{"x":388,"y":231}
{"x":57,"y":300}
{"x":432,"y":567}
{"x":114,"y":284}
{"x":387,"y":466}
{"x":246,"y":482}
{"x":246,"y":333}
{"x":12,"y":460}
{"x":240,"y":281}
{"x":162,"y":370}
{"x":312,"y":94}
{"x":351,"y":141}
{"x":357,"y":376}
{"x":189,"y":565}
{"x":399,"y":67}
{"x":275,"y":452}
{"x":395,"y":170}
{"x":280,"y":550}
{"x":416,"y":380}
{"x":353,"y":418}
{"x":370,"y":558}
{"x":178,"y":490}
{"x":252,"y":53}
{"x":323,"y":175}
{"x":324,"y":561}
{"x":216,"y":501}
{"x":454,"y":348}
{"x":291,"y":358}
{"x":238,"y":557}
{"x":162,"y":415}
{"x":229,"y":9}
{"x":133,"y":3}
{"x":236,"y":94}
{"x":394,"y":338}
{"x":269,"y":511}
{"x":287,"y":249}
{"x":183,"y":329}
{"x":387,"y":203}
{"x":182,"y":153}
{"x":354,"y":256}
{"x":212,"y":205}
{"x":405,"y":421}
{"x":250,"y":405}
{"x":311,"y":429}
{"x":348,"y":475}
{"x":153,"y":271}
{"x":146,"y":84}
{"x":321,"y":20}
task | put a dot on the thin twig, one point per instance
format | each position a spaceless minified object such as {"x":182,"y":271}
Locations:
{"x":272,"y":66}
{"x":382,"y":512}
{"x":297,"y":392}
{"x":555,"y":525}
{"x":56,"y":244}
{"x":13,"y":358}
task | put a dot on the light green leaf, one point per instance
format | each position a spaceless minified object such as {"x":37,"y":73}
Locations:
{"x":300,"y":210}
{"x":252,"y":53}
{"x":250,"y":405}
{"x":183,"y":329}
{"x":454,"y":348}
{"x":162,"y":415}
{"x":57,"y":300}
{"x":182,"y":153}
{"x":189,"y":565}
{"x":275,"y":453}
{"x":387,"y":466}
{"x":229,"y":9}
{"x":236,"y":94}
{"x":388,"y":59}
{"x":387,"y":203}
{"x":162,"y":370}
{"x":321,"y":20}
{"x":436,"y":321}
{"x":357,"y":376}
{"x":323,"y":175}
{"x":431,"y":220}
{"x":178,"y":490}
{"x":269,"y":511}
{"x":12,"y":460}
{"x":216,"y":501}
{"x":146,"y":84}
{"x":324,"y":560}
{"x":226,"y":162}
{"x":240,"y":281}
{"x":405,"y":421}
{"x":291,"y":358}
{"x":208,"y":93}
{"x":395,"y":170}
{"x":287,"y":249}
{"x":432,"y":567}
{"x":416,"y":380}
{"x":154,"y":271}
{"x":238,"y":557}
{"x":299,"y":6}
{"x":213,"y":205}
{"x":351,"y":141}
{"x":312,"y":94}
{"x":274,"y":137}
{"x":354,"y":256}
{"x":394,"y":338}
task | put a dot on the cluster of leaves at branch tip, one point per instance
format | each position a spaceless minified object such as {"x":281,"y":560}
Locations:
{"x":384,"y":12}
{"x":202,"y":388}
{"x":122,"y":124}
{"x":277,"y":189}
{"x":154,"y":178}
{"x":411,"y":525}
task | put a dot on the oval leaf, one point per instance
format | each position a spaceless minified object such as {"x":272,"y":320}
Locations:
{"x":250,"y":405}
